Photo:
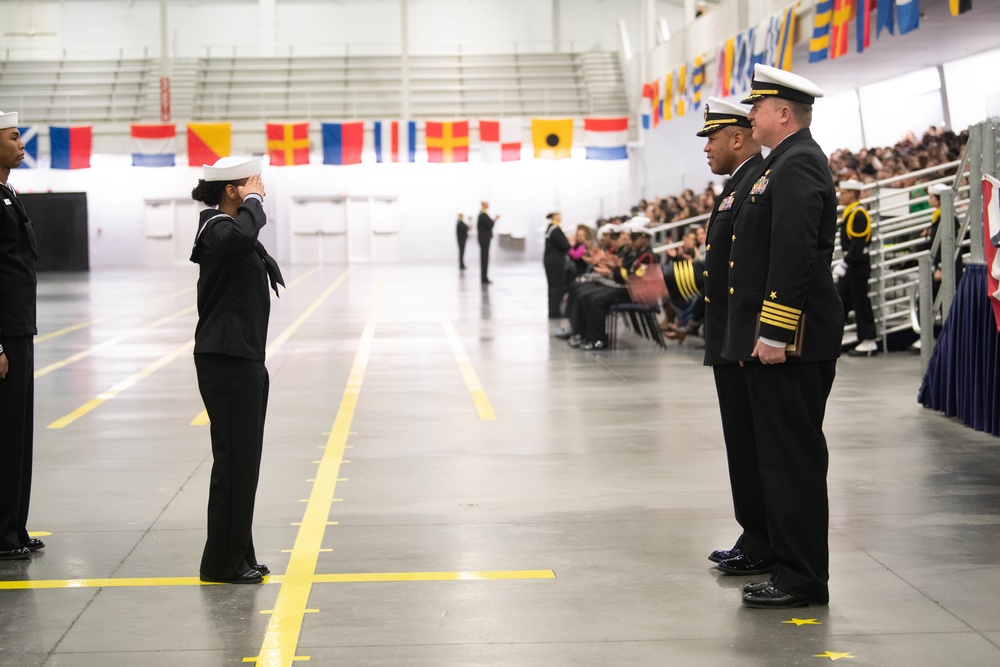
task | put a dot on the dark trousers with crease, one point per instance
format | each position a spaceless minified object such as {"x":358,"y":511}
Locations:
{"x":235,"y":394}
{"x":741,"y":452}
{"x":17,"y":416}
{"x":484,"y":259}
{"x":461,"y":251}
{"x":555,"y":275}
{"x":789,"y":402}
{"x":853,"y":290}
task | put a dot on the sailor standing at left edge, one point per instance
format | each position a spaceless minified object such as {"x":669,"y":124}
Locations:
{"x":229,"y":341}
{"x":18,"y":253}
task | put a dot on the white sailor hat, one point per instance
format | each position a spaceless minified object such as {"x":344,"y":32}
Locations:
{"x":720,"y":113}
{"x":938,"y":188}
{"x":637,"y":225}
{"x":8,"y":120}
{"x":852,"y":184}
{"x":232,"y":169}
{"x":773,"y":82}
{"x":602,"y":230}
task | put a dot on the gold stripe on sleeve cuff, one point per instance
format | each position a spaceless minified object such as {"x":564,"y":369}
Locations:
{"x":777,"y":306}
{"x":776,"y":323}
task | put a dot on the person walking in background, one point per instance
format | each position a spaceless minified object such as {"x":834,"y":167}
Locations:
{"x":855,"y":267}
{"x":462,"y":232}
{"x":484,"y":230}
{"x":785,"y":326}
{"x":233,"y":309}
{"x":18,"y":287}
{"x":730,"y":149}
{"x":554,"y":259}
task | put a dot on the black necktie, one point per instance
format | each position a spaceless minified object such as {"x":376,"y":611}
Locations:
{"x":273,"y":272}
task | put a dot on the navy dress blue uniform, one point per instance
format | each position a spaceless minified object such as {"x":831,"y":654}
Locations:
{"x":18,"y":285}
{"x":855,"y":238}
{"x":781,"y":288}
{"x":730,"y":384}
{"x":230,"y":338}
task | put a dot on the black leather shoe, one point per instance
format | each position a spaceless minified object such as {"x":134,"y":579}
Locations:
{"x":770,"y":597}
{"x":746,"y":564}
{"x":263,"y":569}
{"x":34,"y":544}
{"x":19,"y":553}
{"x":722,"y":554}
{"x":756,"y":586}
{"x":248,"y":577}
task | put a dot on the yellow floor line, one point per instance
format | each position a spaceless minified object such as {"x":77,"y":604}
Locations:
{"x":93,"y":403}
{"x":348,"y":578}
{"x":66,"y":330}
{"x":479,"y":398}
{"x":202,"y":418}
{"x":41,"y":372}
{"x":171,"y":295}
{"x":285,"y":625}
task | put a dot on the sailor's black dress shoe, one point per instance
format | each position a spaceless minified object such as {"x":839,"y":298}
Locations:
{"x":34,"y":544}
{"x":770,"y":597}
{"x":248,"y":577}
{"x":723,"y":554}
{"x":263,"y":569}
{"x":20,"y":553}
{"x":756,"y":586}
{"x":746,"y":564}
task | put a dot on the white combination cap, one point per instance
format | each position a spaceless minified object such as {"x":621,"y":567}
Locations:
{"x":8,"y":120}
{"x":773,"y":82}
{"x":720,"y":113}
{"x":232,"y":169}
{"x":852,"y":184}
{"x":938,"y":188}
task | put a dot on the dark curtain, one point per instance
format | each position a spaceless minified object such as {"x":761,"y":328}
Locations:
{"x":963,"y":377}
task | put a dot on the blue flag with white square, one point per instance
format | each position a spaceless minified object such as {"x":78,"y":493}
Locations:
{"x":29,"y":135}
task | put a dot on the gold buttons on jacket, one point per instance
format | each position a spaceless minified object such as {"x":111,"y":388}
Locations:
{"x":707,"y":300}
{"x":705,"y":273}
{"x":734,"y":237}
{"x":731,"y":264}
{"x":731,"y":290}
{"x":708,"y":247}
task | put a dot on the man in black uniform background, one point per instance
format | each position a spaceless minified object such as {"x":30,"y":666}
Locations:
{"x":855,"y":268}
{"x":785,"y":325}
{"x":484,"y":229}
{"x":18,"y":285}
{"x":731,"y":149}
{"x":462,"y":234}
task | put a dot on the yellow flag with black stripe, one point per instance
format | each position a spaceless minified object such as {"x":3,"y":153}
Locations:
{"x":552,"y":138}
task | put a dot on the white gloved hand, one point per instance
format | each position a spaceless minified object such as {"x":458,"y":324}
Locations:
{"x":840,"y":270}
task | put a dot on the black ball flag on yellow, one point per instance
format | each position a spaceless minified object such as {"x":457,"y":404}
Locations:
{"x":552,"y":138}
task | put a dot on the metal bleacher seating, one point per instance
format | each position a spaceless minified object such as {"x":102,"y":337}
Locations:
{"x":111,"y":93}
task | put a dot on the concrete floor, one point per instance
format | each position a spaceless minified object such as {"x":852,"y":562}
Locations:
{"x":571,"y":530}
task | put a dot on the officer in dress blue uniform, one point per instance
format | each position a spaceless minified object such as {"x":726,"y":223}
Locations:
{"x":785,"y":326}
{"x":18,"y":285}
{"x":731,"y":149}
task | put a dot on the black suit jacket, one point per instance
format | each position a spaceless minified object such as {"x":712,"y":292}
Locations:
{"x":18,"y":283}
{"x":484,"y":227}
{"x":716,"y":258}
{"x":782,"y":247}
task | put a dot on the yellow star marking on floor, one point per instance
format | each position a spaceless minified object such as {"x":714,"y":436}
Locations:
{"x":833,"y":656}
{"x":802,"y":621}
{"x":345,"y":578}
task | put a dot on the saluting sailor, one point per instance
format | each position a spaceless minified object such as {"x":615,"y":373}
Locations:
{"x":855,"y":268}
{"x":731,"y":149}
{"x":785,"y":326}
{"x":233,"y":309}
